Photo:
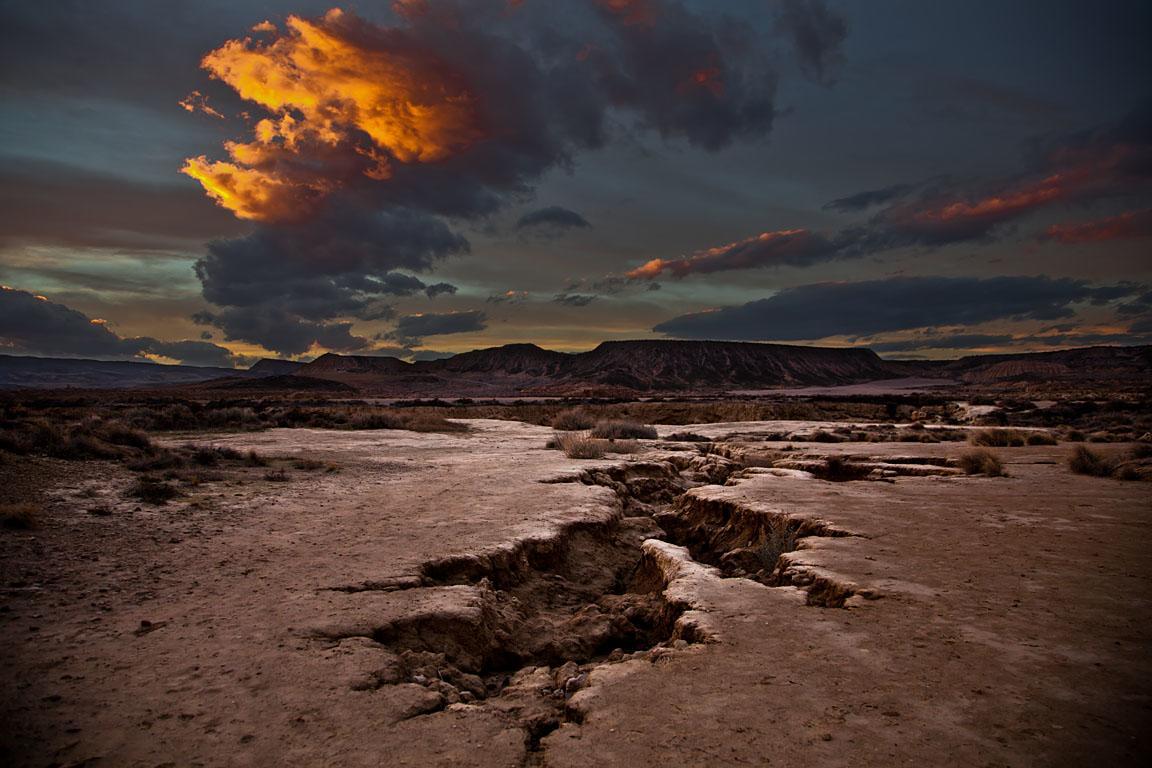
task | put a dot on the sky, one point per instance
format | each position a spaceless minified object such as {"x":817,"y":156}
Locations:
{"x":217,"y":181}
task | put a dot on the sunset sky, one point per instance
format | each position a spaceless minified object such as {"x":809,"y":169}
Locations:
{"x":216,"y":181}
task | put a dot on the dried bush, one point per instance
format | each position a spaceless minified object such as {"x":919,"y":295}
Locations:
{"x":1085,"y":461}
{"x":1133,"y":465}
{"x":779,"y":537}
{"x":1041,"y":438}
{"x":254,"y":459}
{"x":19,"y":516}
{"x":573,"y":420}
{"x":981,"y":462}
{"x":152,"y":490}
{"x":688,"y":437}
{"x":579,"y":445}
{"x":997,"y":438}
{"x":623,"y":430}
{"x":837,"y":470}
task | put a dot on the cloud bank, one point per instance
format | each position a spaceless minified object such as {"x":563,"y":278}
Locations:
{"x":823,"y":310}
{"x":374,"y":143}
{"x":34,"y":325}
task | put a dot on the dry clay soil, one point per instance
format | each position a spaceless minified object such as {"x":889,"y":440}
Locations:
{"x":1007,"y":619}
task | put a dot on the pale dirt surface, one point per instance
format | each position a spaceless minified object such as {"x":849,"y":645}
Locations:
{"x":1012,"y":625}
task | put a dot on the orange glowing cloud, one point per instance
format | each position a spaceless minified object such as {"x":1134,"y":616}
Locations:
{"x":1080,"y":174}
{"x":198,"y":102}
{"x":787,"y":246}
{"x":336,"y":90}
{"x":1126,"y":226}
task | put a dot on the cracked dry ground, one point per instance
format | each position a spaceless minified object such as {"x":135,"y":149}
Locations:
{"x":478,"y":600}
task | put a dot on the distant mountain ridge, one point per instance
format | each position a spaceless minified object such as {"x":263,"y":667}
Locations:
{"x":613,"y":368}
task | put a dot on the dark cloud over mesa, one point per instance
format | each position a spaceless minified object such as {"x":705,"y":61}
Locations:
{"x":552,"y":219}
{"x":866,"y":308}
{"x":35,"y":325}
{"x":412,"y":329}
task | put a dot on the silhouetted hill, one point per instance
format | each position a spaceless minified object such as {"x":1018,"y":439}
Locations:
{"x":333,"y":364}
{"x":268,"y":366}
{"x":614,"y":368}
{"x":517,"y":359}
{"x":1116,"y":364}
{"x":678,"y":365}
{"x":19,"y":372}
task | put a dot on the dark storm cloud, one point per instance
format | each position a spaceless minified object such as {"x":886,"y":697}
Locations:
{"x":438,"y":289}
{"x":193,"y":353}
{"x":32,"y":324}
{"x":869,"y":198}
{"x":955,"y":341}
{"x":544,"y":84}
{"x":280,"y":286}
{"x":431,"y":354}
{"x":818,"y":36}
{"x":573,"y":299}
{"x":508,"y":297}
{"x":281,"y":330}
{"x":412,"y":329}
{"x":865,"y":308}
{"x":553,"y":219}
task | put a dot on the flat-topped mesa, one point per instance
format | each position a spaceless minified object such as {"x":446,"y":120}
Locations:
{"x":661,"y":364}
{"x":518,"y":359}
{"x":268,"y":366}
{"x":332,"y":363}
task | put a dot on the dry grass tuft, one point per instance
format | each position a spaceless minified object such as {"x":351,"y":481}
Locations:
{"x":579,"y":445}
{"x":19,"y":516}
{"x":1136,"y":464}
{"x":982,"y":462}
{"x":837,"y":470}
{"x":151,"y":490}
{"x":688,"y":437}
{"x":623,"y":430}
{"x":997,"y":438}
{"x":573,"y":420}
{"x":1085,"y":461}
{"x":779,"y":537}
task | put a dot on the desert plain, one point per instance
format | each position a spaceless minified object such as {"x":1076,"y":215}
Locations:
{"x":733,"y":593}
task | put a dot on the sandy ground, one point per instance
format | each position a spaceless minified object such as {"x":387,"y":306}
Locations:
{"x":1011,"y":626}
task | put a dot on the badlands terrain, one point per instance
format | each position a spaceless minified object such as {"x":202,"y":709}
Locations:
{"x":769,"y":592}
